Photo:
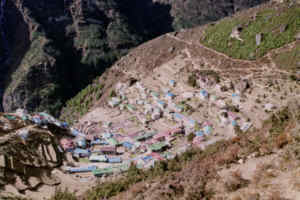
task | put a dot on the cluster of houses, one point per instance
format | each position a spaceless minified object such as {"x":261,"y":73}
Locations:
{"x":119,"y":151}
{"x":149,"y":106}
{"x":110,"y":151}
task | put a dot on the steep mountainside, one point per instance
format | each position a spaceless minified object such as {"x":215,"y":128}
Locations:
{"x":260,"y":20}
{"x":58,"y":47}
{"x":247,"y":66}
{"x":210,"y":112}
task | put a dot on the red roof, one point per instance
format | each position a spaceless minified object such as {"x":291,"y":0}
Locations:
{"x":66,"y":143}
{"x":176,"y":131}
{"x":156,"y":156}
{"x":108,"y":149}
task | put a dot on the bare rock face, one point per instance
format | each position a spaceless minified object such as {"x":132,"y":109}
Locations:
{"x":236,"y":33}
{"x":297,"y":36}
{"x":242,"y":85}
{"x":28,"y":153}
{"x":258,"y":38}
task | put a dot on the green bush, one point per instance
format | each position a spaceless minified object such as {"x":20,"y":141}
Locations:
{"x":190,"y":137}
{"x":279,"y":121}
{"x":63,"y":195}
{"x":288,"y":60}
{"x":83,"y":101}
{"x":135,"y":175}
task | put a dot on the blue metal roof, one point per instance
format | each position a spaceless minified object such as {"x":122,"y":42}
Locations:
{"x":199,"y":133}
{"x":114,"y":160}
{"x":204,"y":92}
{"x":147,"y":158}
{"x":82,"y":169}
{"x":170,"y":94}
{"x":161,"y":102}
{"x":98,"y":141}
{"x":177,"y":115}
{"x":127,"y":145}
{"x":207,"y":129}
{"x":192,"y":121}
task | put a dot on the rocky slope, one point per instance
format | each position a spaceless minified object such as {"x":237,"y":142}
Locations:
{"x":211,"y":46}
{"x":58,"y":47}
{"x":29,"y":153}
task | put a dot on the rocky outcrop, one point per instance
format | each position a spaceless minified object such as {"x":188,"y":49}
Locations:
{"x":28,"y":153}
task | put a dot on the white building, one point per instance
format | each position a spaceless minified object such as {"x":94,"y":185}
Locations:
{"x":155,"y":115}
{"x":188,"y":95}
{"x":114,"y":102}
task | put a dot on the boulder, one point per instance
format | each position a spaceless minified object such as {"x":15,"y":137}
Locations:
{"x":236,"y":31}
{"x":242,"y":85}
{"x":28,"y":152}
{"x":258,"y":39}
{"x":297,"y":36}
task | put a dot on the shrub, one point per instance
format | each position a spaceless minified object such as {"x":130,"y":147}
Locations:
{"x":279,"y":121}
{"x":190,"y":137}
{"x":235,"y":181}
{"x":113,"y":93}
{"x":266,"y":22}
{"x":63,"y":195}
{"x":192,"y":80}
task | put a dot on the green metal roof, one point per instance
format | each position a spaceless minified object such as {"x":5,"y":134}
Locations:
{"x":158,"y":146}
{"x":113,"y":141}
{"x":130,"y":107}
{"x":103,"y":171}
{"x":145,"y":136}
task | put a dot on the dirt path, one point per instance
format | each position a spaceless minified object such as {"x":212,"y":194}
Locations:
{"x":270,"y":69}
{"x":209,"y":49}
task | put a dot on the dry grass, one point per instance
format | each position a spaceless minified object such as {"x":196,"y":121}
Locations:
{"x":263,"y":171}
{"x":282,"y":140}
{"x":235,"y":182}
{"x":276,"y":196}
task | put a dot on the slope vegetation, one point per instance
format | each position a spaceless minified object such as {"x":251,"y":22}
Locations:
{"x":281,"y":35}
{"x":75,"y":41}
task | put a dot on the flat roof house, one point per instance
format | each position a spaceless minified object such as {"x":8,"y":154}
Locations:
{"x":178,"y":117}
{"x":172,"y":83}
{"x":103,"y":171}
{"x":160,"y":146}
{"x":203,"y":94}
{"x":170,"y":96}
{"x":108,"y":150}
{"x":81,"y":169}
{"x":161,"y":104}
{"x":81,"y":153}
{"x":97,"y":158}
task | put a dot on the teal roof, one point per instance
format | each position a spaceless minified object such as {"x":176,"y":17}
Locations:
{"x":158,"y":146}
{"x":103,"y":171}
{"x":113,"y":141}
{"x":144,"y":136}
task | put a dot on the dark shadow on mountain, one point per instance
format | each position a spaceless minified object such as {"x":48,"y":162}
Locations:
{"x":19,"y":42}
{"x":149,"y":18}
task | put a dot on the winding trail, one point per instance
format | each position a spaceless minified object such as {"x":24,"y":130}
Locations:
{"x":271,"y":69}
{"x":209,"y":49}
